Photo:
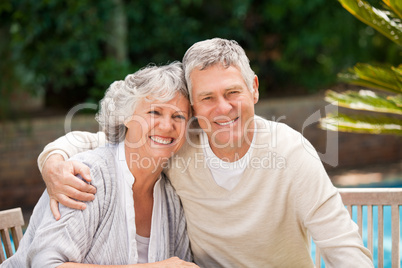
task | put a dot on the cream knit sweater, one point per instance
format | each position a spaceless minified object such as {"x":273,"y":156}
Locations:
{"x":283,"y":196}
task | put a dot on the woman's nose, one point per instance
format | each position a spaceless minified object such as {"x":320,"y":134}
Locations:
{"x":166,"y":123}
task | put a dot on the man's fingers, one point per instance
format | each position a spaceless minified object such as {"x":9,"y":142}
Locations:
{"x":83,"y":170}
{"x":79,"y":195}
{"x":71,"y":203}
{"x":54,"y":207}
{"x":71,"y":191}
{"x":80,"y":185}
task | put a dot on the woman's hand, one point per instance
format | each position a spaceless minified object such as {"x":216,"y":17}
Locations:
{"x":63,"y":186}
{"x":171,"y":262}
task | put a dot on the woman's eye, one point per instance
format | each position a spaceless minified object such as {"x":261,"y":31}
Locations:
{"x":179,"y":116}
{"x":154,"y":112}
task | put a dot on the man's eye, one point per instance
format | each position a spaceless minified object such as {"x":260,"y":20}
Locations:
{"x":206,"y":98}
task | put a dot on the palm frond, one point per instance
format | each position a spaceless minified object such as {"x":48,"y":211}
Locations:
{"x":383,"y":77}
{"x":398,"y":71}
{"x":376,"y":18}
{"x":363,"y":100}
{"x":362,"y":124}
{"x":395,"y":6}
{"x":397,"y":99}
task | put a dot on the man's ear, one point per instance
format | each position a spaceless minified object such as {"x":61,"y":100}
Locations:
{"x":255,"y":87}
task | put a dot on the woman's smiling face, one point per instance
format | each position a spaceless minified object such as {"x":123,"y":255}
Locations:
{"x":157,"y":129}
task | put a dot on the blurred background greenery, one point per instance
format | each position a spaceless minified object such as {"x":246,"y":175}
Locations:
{"x":71,"y":51}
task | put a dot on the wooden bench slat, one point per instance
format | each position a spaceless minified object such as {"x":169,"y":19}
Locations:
{"x":395,"y":233}
{"x":11,"y":222}
{"x":370,"y":227}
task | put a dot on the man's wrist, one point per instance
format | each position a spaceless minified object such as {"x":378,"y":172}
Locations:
{"x":44,"y":156}
{"x":55,"y":158}
{"x":51,"y":159}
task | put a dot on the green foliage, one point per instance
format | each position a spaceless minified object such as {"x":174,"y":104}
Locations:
{"x":73,"y":50}
{"x":374,"y":124}
{"x":381,"y":20}
{"x":58,"y":41}
{"x":382,"y":77}
{"x":385,"y":77}
{"x":396,"y":99}
{"x":107,"y":71}
{"x":365,"y":100}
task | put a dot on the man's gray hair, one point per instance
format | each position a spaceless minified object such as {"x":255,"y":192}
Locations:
{"x":207,"y":53}
{"x":121,"y":98}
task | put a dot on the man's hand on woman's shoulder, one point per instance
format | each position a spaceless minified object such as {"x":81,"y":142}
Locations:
{"x":63,"y":186}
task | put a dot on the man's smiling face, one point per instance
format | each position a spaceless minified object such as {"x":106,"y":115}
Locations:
{"x":223,"y":105}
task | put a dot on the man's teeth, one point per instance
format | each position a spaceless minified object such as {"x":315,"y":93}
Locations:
{"x":226,"y":123}
{"x":161,"y":140}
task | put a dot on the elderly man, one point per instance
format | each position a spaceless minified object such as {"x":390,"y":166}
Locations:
{"x":251,"y":192}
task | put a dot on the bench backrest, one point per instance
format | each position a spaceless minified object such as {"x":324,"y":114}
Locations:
{"x":10,"y":220}
{"x":372,"y":197}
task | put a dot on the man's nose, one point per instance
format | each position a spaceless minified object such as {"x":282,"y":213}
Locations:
{"x":223,"y":106}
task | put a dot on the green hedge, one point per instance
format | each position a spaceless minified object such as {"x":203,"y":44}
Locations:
{"x":72,"y":50}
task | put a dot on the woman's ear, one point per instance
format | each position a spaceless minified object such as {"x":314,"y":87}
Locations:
{"x":128,"y":121}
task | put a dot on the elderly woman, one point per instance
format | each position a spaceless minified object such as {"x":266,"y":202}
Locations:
{"x":136,"y":216}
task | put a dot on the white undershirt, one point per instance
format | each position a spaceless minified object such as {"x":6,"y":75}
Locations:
{"x":142,"y":244}
{"x":142,"y":248}
{"x":225,"y":174}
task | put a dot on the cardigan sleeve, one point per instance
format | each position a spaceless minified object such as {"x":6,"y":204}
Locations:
{"x":182,"y":242}
{"x":178,"y":232}
{"x":71,"y":144}
{"x":68,"y":239}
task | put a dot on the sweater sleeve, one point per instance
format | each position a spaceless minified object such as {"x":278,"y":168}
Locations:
{"x":71,"y":144}
{"x":322,"y":212}
{"x":68,"y":239}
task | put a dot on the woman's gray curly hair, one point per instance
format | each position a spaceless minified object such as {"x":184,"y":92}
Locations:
{"x":209,"y":52}
{"x":160,"y":83}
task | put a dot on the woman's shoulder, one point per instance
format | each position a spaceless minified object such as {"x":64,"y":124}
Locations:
{"x":99,"y":156}
{"x":101,"y":162}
